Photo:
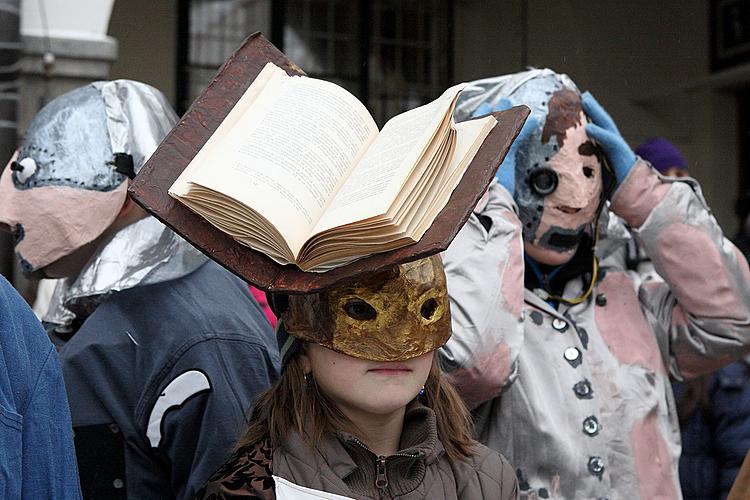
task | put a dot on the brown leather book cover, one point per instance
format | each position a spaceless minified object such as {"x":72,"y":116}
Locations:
{"x":149,"y":188}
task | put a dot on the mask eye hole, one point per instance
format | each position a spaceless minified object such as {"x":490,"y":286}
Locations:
{"x":428,"y":308}
{"x":588,"y":172}
{"x":543,"y":181}
{"x":360,"y":310}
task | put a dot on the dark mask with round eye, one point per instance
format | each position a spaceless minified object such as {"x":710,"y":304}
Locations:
{"x":394,"y":315}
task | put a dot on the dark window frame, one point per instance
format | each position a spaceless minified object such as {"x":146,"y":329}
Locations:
{"x":442,"y":10}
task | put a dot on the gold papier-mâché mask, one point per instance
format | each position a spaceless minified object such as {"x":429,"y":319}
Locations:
{"x":393,"y":315}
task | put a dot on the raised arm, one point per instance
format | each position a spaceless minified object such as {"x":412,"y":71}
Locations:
{"x":701,"y":314}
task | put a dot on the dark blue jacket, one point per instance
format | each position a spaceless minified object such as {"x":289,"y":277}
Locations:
{"x":37,"y":460}
{"x":715,"y":442}
{"x":160,"y":379}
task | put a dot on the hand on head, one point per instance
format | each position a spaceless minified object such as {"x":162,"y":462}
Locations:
{"x":603,"y":130}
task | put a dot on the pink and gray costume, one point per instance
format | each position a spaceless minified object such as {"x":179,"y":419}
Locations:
{"x":577,"y":396}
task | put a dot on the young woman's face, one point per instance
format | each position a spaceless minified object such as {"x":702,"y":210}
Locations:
{"x":375,"y":387}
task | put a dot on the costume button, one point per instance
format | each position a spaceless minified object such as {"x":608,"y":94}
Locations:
{"x":601,"y":300}
{"x":596,"y":466}
{"x":572,"y":353}
{"x":559,"y":325}
{"x":117,"y":483}
{"x":583,"y":390}
{"x":591,"y":426}
{"x":573,"y":356}
{"x":114,"y":428}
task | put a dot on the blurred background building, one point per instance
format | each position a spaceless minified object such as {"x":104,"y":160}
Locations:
{"x":674,"y":68}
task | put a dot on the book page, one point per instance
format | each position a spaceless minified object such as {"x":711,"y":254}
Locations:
{"x":288,"y":154}
{"x":270,"y":72}
{"x":287,"y":490}
{"x":386,"y":166}
{"x":411,"y":220}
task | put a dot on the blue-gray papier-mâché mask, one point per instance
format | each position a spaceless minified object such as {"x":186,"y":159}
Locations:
{"x":558,"y":177}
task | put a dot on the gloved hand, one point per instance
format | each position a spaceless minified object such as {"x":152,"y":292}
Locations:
{"x":506,"y":173}
{"x":604,"y":132}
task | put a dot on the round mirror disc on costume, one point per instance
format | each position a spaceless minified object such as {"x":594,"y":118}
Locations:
{"x":559,"y":324}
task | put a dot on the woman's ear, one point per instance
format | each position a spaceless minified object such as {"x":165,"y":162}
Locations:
{"x":304,"y":359}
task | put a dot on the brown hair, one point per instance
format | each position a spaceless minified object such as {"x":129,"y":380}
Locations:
{"x":293,"y":404}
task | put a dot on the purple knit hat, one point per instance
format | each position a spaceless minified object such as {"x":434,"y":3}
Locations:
{"x":662,"y":154}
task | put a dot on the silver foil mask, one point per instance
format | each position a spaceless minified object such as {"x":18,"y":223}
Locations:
{"x":68,"y":180}
{"x":67,"y":144}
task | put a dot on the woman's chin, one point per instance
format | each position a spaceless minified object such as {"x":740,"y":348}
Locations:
{"x":386,"y":400}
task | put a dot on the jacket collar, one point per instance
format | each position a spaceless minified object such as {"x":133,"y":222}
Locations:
{"x":353,"y":462}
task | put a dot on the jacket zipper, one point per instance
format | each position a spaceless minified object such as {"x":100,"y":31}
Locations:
{"x":381,"y":478}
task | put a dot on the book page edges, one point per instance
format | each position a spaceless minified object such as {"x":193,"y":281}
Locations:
{"x":470,"y":136}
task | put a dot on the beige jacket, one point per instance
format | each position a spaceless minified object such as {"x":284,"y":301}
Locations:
{"x":342,"y":465}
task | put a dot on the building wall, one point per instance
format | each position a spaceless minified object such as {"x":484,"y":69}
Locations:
{"x":487,"y":40}
{"x":647,"y":63}
{"x":146,"y":31}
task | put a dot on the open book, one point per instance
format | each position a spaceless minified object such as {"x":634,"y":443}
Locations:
{"x":299,"y":171}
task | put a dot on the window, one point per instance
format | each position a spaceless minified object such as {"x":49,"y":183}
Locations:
{"x":393,"y":55}
{"x":209,"y":31}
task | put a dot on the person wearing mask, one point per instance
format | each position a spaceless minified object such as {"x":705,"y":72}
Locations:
{"x":162,"y":351}
{"x":565,"y":355}
{"x":361,"y":409}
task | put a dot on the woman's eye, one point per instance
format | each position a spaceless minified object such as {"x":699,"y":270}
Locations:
{"x":588,"y":172}
{"x":359,"y":309}
{"x":428,"y":308}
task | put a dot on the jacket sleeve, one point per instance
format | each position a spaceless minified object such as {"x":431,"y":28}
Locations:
{"x":49,"y":460}
{"x":201,"y":405}
{"x":484,"y":268}
{"x":37,"y":458}
{"x":701,"y":312}
{"x":248,"y":474}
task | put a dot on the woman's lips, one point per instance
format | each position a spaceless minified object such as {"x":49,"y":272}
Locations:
{"x":390,"y":369}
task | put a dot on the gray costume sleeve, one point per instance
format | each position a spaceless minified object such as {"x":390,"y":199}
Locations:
{"x":485,"y":274}
{"x":701,"y":313}
{"x":201,"y":404}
